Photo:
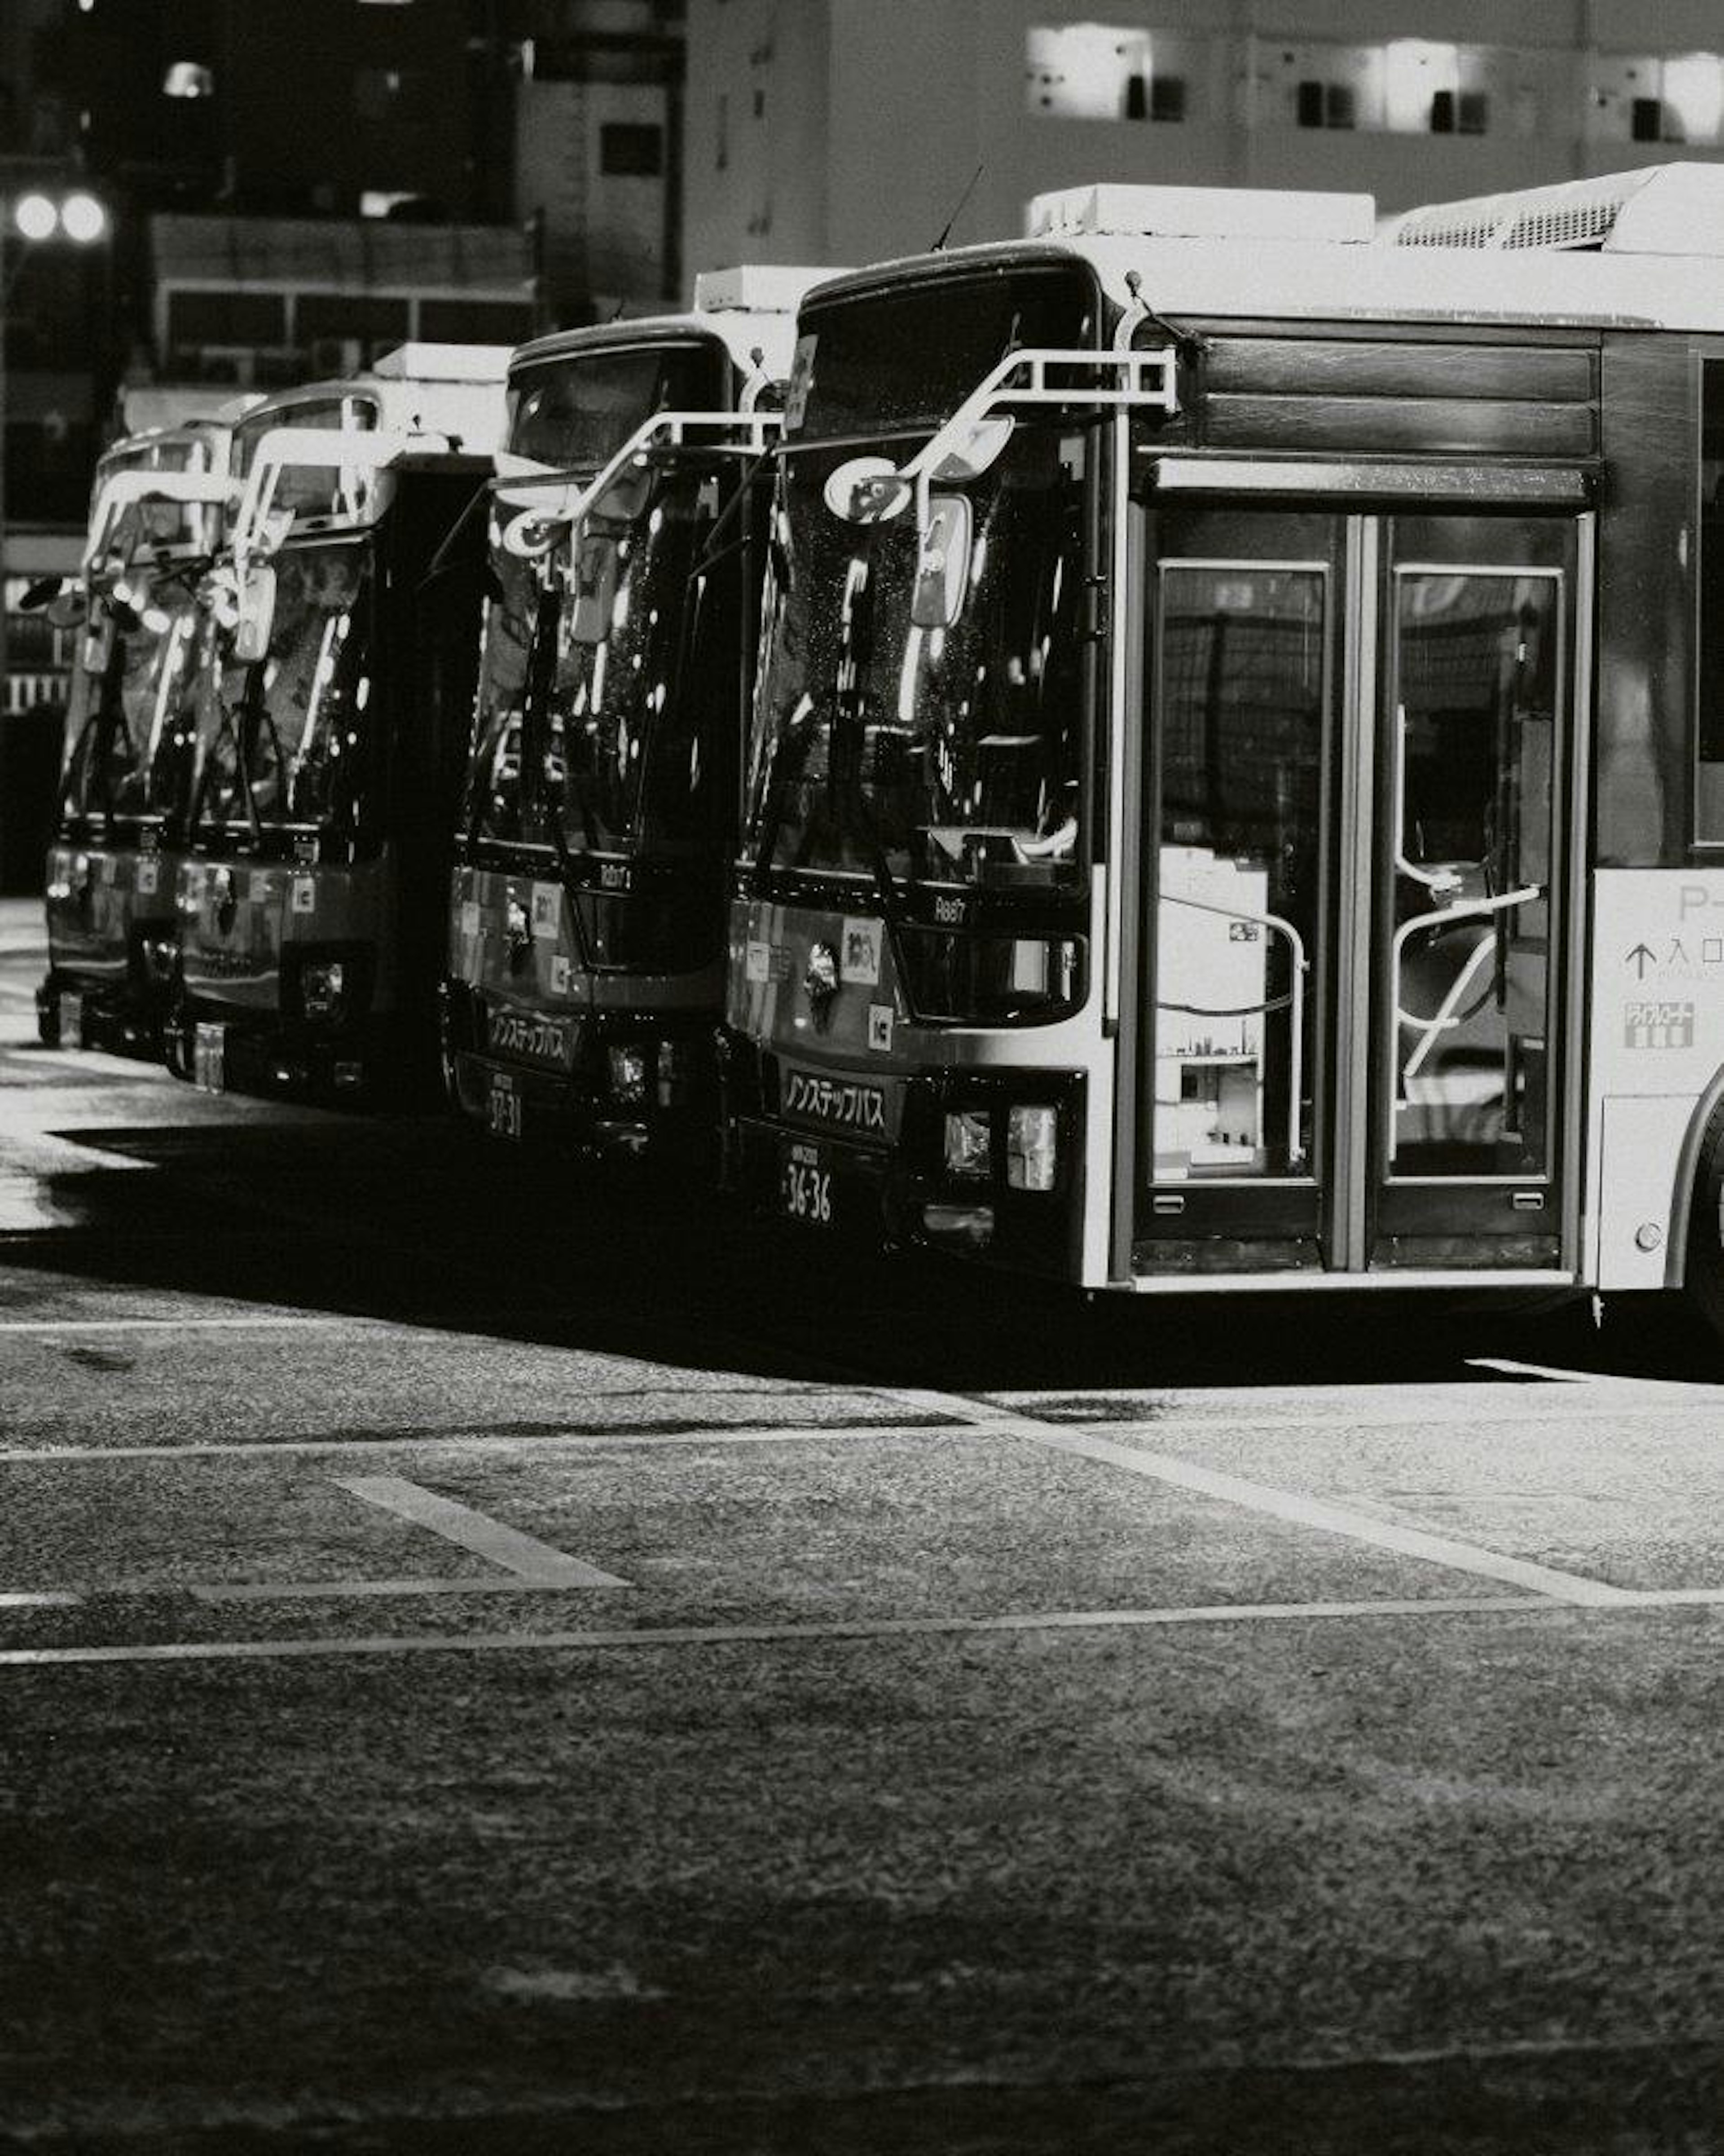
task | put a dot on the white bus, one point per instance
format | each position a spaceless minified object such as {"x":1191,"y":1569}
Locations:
{"x":1236,"y":796}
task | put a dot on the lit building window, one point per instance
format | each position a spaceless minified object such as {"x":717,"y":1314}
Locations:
{"x":1409,"y":86}
{"x":1674,"y":97}
{"x":1103,"y":71}
{"x":1314,"y":85}
{"x":189,"y":78}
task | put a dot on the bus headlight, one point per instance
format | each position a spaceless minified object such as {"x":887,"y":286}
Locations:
{"x":1032,"y":1147}
{"x":161,"y":956}
{"x":678,"y":1065}
{"x":630,"y":1065}
{"x":969,"y":1142}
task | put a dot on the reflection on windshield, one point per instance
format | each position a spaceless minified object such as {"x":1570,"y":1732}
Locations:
{"x":953,"y":754}
{"x":643,"y":686}
{"x":294,"y":742}
{"x":608,"y":694}
{"x":130,"y":729}
{"x":495,"y":807}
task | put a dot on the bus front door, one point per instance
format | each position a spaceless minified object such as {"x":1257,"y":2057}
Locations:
{"x":1361,"y":740}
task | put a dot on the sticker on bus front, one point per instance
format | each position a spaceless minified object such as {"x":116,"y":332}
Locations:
{"x":1658,"y":1025}
{"x":861,"y":952}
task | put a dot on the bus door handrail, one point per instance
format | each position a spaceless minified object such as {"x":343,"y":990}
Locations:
{"x":123,"y":490}
{"x":1124,"y":368}
{"x":1443,"y":1020}
{"x":668,"y":429}
{"x":306,"y":448}
{"x":1301,"y":966}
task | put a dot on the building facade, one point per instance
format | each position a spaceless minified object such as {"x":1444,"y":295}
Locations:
{"x":848,"y":131}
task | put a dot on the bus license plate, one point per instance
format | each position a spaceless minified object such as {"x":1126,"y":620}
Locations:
{"x":805,"y":1184}
{"x":502,"y":1108}
{"x":209,"y":1058}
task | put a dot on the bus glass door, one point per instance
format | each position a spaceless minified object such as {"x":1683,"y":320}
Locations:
{"x":1359,"y":738}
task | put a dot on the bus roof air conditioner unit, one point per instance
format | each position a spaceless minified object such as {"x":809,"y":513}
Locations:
{"x":1202,"y":213}
{"x":1661,"y":209}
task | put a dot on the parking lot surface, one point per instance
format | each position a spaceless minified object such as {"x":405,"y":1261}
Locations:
{"x":497,"y":1661}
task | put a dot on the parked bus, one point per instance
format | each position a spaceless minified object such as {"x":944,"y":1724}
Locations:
{"x":588,"y":924}
{"x":1236,"y":790}
{"x":130,"y":724}
{"x":334,"y":717}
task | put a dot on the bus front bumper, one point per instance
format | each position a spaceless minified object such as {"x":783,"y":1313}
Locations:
{"x":578,"y":1114}
{"x":116,"y":1017}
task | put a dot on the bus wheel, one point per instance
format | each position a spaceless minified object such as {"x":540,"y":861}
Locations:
{"x":1705,"y":1278}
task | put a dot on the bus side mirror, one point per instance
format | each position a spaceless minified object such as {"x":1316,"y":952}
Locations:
{"x":625,"y":499}
{"x":942,"y":562}
{"x":68,"y":603}
{"x":981,"y":448}
{"x":257,"y":614}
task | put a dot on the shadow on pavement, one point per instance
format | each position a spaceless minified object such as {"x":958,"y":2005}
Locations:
{"x":417,"y":1222}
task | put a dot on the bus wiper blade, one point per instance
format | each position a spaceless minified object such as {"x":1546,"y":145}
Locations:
{"x":440,"y":560}
{"x":712,"y":552}
{"x":795,"y":742}
{"x":885,"y":890}
{"x":541,"y":664}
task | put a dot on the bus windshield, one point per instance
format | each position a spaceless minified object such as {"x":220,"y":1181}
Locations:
{"x":130,"y":727}
{"x":572,"y":410}
{"x":951,"y":754}
{"x":294,"y":743}
{"x":608,"y":691}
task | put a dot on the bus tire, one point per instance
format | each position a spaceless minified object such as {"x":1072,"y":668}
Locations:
{"x":1704,"y":1274}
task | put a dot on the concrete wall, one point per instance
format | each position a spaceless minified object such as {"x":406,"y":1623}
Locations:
{"x":875,"y":114}
{"x":754,"y":181}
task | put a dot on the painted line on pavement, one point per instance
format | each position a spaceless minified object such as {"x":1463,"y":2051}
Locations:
{"x":1552,"y":1372}
{"x":507,"y":1548}
{"x":692,"y":1635}
{"x":48,"y":1599}
{"x":1289,"y":1505}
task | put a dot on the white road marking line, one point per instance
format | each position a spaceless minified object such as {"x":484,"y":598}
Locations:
{"x":1289,"y":1505}
{"x":524,"y":1555}
{"x":693,"y":1635}
{"x":1550,"y":1372}
{"x":476,"y":1441}
{"x":48,"y":1599}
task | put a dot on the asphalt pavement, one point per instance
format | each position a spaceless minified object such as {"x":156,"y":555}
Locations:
{"x":493,"y":1661}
